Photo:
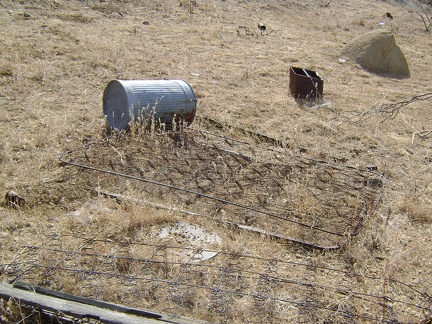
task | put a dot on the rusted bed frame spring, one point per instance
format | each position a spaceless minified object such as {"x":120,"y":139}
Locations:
{"x":228,"y":202}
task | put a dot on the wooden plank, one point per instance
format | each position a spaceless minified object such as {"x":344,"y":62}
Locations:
{"x":97,"y":303}
{"x":79,"y":309}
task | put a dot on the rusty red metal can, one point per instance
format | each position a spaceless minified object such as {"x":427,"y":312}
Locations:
{"x":305,"y":84}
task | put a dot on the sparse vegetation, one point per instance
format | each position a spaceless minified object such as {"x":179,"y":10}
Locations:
{"x":97,"y":234}
{"x":425,"y":16}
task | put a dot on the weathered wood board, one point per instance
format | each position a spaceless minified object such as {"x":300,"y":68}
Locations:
{"x":78,"y":307}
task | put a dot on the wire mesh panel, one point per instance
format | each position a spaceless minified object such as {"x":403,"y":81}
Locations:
{"x":234,"y":188}
{"x":227,"y":287}
{"x":234,"y":182}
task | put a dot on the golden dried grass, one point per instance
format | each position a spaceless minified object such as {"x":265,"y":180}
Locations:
{"x":58,"y":56}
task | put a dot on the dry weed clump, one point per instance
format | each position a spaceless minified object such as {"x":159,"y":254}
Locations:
{"x":11,"y":311}
{"x":417,"y":210}
{"x":142,"y":218}
{"x":114,"y":218}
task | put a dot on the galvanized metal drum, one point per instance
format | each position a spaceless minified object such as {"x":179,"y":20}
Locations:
{"x":164,"y":101}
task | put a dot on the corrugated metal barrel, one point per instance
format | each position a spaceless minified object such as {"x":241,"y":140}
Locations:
{"x":161,"y":100}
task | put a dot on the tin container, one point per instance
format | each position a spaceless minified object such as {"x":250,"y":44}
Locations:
{"x":161,"y":101}
{"x":305,"y":84}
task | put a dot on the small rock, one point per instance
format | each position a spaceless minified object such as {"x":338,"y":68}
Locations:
{"x":372,"y":167}
{"x":261,"y":26}
{"x":13,"y":200}
{"x":373,"y":182}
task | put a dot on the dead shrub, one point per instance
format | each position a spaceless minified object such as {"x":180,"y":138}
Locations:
{"x":416,"y":210}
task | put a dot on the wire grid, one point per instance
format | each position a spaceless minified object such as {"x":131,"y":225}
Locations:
{"x":310,"y":201}
{"x":228,"y":181}
{"x":229,"y":287}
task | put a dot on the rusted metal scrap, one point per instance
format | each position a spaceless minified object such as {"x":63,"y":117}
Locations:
{"x":311,"y":202}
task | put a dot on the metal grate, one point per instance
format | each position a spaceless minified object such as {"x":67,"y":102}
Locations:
{"x":232,"y":186}
{"x":260,"y":189}
{"x":230,"y":286}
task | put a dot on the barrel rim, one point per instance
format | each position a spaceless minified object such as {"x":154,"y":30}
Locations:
{"x":124,"y":123}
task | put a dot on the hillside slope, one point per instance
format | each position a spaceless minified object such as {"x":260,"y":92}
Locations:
{"x":56,"y":60}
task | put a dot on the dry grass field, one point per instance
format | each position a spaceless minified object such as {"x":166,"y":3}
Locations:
{"x":343,"y":191}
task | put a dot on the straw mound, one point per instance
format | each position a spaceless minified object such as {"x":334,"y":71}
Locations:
{"x":377,"y":52}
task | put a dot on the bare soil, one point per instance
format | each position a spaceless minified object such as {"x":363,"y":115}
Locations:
{"x":342,"y":190}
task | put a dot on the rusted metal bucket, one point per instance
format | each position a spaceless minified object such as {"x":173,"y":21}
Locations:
{"x":305,"y":84}
{"x":164,"y":101}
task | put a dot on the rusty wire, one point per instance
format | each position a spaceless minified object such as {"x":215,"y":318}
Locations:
{"x":220,"y":283}
{"x":318,"y":203}
{"x":215,"y":173}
